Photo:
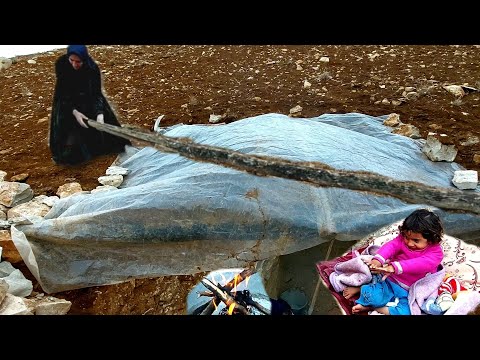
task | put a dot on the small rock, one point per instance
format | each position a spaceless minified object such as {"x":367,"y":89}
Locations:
{"x":456,"y":90}
{"x":20,"y":177}
{"x":112,"y":180}
{"x":392,"y":120}
{"x":465,"y":179}
{"x":296,"y":111}
{"x":215,"y":118}
{"x":117,"y":170}
{"x":476,"y":158}
{"x":69,"y":189}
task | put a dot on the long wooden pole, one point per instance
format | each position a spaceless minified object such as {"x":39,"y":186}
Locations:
{"x":314,"y":173}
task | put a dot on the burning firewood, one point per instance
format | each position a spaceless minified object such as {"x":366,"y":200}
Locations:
{"x":224,"y":295}
{"x":237,"y":302}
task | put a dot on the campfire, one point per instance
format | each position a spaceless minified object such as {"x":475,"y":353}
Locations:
{"x":226,"y":299}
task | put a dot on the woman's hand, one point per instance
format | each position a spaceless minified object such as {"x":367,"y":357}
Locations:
{"x":80,"y":117}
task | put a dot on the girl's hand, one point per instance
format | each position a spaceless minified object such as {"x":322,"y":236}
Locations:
{"x":373,"y":263}
{"x":386,"y":270}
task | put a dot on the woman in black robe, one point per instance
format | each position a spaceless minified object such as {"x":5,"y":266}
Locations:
{"x":78,"y":96}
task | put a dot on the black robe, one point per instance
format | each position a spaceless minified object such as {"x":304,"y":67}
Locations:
{"x":80,"y":89}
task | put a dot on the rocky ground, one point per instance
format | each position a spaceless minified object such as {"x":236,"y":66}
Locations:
{"x":189,"y":84}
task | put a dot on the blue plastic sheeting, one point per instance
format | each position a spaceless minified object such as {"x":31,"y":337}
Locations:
{"x":177,"y":216}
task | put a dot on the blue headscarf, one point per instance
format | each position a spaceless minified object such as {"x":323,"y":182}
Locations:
{"x":82,"y":52}
{"x":79,"y":50}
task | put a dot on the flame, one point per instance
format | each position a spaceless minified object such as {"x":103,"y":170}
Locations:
{"x":215,"y":305}
{"x":235,"y":283}
{"x":230,"y":309}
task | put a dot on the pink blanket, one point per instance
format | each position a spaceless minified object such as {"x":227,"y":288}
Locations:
{"x":353,"y":272}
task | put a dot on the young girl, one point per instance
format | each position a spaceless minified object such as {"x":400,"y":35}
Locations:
{"x":414,"y":253}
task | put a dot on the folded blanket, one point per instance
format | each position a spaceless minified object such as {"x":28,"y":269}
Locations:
{"x":353,"y":272}
{"x":424,"y":288}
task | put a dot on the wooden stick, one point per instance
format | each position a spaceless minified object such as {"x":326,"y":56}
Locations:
{"x":314,"y":173}
{"x":209,"y":309}
{"x":238,"y":278}
{"x":227,"y":287}
{"x":249,"y":301}
{"x":224,"y":296}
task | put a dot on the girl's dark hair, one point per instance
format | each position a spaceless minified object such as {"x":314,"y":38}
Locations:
{"x":425,"y":222}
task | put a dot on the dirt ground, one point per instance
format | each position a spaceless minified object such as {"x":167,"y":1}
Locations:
{"x":189,"y":83}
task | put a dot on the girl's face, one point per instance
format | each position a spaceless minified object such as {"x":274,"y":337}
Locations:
{"x":414,"y":241}
{"x":75,"y":61}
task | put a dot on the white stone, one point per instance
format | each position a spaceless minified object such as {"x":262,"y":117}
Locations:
{"x":5,"y":63}
{"x":14,"y":305}
{"x":456,"y":90}
{"x":27,"y":209}
{"x":52,"y":306}
{"x":2,"y":175}
{"x":296,"y":110}
{"x":102,"y":188}
{"x":18,"y":284}
{"x":436,"y":151}
{"x":392,"y":120}
{"x":3,"y":288}
{"x":407,"y":130}
{"x":465,"y":179}
{"x":117,"y":170}
{"x":14,"y":193}
{"x":69,"y":189}
{"x":324,"y":59}
{"x":112,"y":180}
{"x":215,"y":118}
{"x":412,"y":95}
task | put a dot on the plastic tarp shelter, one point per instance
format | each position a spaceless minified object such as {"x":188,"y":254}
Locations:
{"x":176,"y":216}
